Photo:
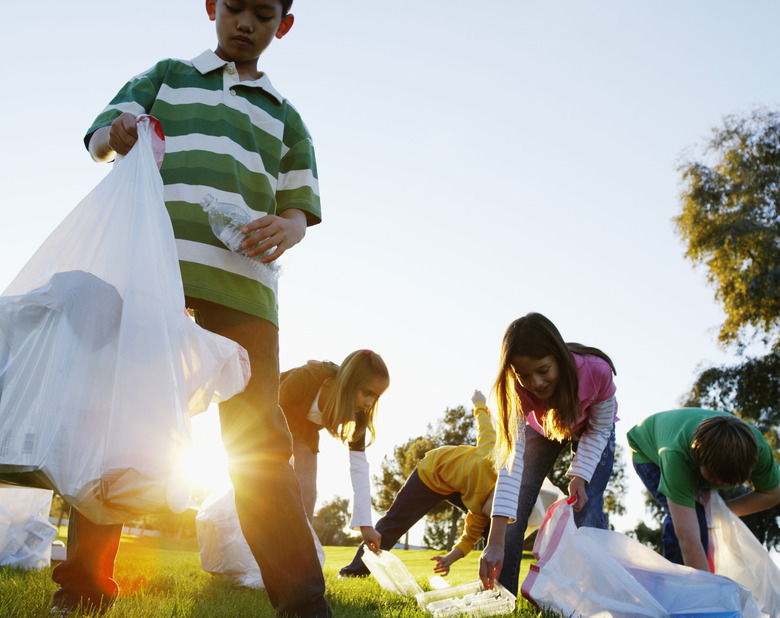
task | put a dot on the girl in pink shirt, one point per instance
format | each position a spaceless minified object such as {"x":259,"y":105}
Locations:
{"x":549,"y":394}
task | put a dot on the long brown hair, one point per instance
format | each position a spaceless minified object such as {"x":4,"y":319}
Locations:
{"x":535,"y":336}
{"x":338,"y":414}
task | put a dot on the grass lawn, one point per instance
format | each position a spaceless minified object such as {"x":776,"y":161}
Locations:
{"x":163,"y":578}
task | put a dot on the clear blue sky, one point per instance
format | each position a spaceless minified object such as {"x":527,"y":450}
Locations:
{"x":478,"y":160}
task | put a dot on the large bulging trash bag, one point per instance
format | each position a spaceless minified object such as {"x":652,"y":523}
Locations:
{"x":591,"y":572}
{"x":736,"y":553}
{"x":224,"y":551}
{"x":100,"y":365}
{"x":25,"y":532}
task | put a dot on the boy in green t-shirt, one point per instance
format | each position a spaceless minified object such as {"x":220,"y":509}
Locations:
{"x":678,"y":452}
{"x":228,"y":134}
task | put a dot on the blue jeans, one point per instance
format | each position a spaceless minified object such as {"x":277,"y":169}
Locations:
{"x":538,"y":459}
{"x":650,"y":474}
{"x":413,"y":502}
{"x":268,"y":498}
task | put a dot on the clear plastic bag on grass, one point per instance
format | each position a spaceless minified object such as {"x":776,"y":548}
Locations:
{"x":592,"y":572}
{"x":224,"y":551}
{"x":100,"y":365}
{"x":736,"y":553}
{"x":25,"y":532}
{"x":391,"y":572}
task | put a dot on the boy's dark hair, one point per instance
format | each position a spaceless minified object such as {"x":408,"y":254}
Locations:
{"x":727,"y":447}
{"x":286,"y":6}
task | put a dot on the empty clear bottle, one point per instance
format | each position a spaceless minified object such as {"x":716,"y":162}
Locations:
{"x":227,"y":221}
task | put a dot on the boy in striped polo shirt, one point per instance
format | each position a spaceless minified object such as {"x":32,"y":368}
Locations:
{"x":229,"y":134}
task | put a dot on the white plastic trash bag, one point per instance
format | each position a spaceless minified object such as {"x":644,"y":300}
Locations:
{"x":100,"y":365}
{"x":592,"y":572}
{"x":25,"y":532}
{"x":736,"y":553}
{"x":548,"y":495}
{"x":224,"y":551}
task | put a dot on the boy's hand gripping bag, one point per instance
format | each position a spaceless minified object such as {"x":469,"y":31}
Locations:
{"x":736,"y":553}
{"x":100,"y":365}
{"x":592,"y":572}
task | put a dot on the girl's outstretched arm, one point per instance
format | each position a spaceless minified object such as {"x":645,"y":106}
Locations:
{"x":492,"y":558}
{"x":443,"y":563}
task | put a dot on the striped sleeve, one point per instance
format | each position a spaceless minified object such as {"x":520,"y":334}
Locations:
{"x":594,"y":439}
{"x":509,"y":478}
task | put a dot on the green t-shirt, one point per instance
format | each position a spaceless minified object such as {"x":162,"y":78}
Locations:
{"x":665,"y":440}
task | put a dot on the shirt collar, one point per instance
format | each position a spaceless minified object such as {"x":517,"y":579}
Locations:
{"x":208,"y":61}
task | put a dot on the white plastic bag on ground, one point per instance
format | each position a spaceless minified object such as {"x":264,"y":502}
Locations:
{"x":736,"y":553}
{"x":100,"y":366}
{"x":592,"y":572}
{"x":25,"y":532}
{"x":223,"y":549}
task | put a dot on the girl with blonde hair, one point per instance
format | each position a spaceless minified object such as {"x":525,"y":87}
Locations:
{"x":342,"y":399}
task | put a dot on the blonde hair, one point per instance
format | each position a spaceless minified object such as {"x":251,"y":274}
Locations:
{"x":727,"y":447}
{"x":338,"y":415}
{"x":535,"y":336}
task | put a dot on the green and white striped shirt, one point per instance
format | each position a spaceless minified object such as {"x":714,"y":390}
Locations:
{"x":241,"y":142}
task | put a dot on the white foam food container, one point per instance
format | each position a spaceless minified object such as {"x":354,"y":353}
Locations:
{"x":469,"y":599}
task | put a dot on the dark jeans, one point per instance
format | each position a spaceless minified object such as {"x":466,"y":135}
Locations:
{"x":413,"y":502}
{"x":650,"y":474}
{"x":538,"y":459}
{"x":268,"y":499}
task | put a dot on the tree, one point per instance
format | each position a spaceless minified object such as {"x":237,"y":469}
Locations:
{"x":730,"y":222}
{"x":330,"y":522}
{"x":456,"y":427}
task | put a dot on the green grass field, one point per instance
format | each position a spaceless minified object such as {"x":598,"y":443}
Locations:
{"x":162,"y":578}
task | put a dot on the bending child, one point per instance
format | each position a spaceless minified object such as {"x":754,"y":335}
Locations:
{"x":462,"y":474}
{"x":549,"y":394}
{"x":228,"y":133}
{"x":678,"y":452}
{"x":342,"y":399}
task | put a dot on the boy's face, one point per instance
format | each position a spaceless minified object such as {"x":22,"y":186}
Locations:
{"x":711,"y":478}
{"x":245,"y":28}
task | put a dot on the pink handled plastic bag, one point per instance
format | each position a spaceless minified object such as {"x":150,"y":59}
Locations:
{"x":592,"y":572}
{"x":736,"y":553}
{"x":100,"y":365}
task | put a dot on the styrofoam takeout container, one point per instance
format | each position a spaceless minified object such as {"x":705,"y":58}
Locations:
{"x":467,"y":600}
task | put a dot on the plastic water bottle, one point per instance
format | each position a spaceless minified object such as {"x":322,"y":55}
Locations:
{"x":227,"y":221}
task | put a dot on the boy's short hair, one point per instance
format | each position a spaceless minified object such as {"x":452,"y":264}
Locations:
{"x":727,"y":447}
{"x":286,"y":6}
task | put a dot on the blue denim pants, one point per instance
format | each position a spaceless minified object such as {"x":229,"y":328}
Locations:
{"x":538,"y":459}
{"x":650,"y":474}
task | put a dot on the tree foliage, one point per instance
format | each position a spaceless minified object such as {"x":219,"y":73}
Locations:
{"x":330,"y":523}
{"x":730,"y":220}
